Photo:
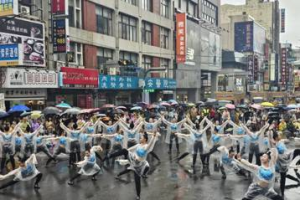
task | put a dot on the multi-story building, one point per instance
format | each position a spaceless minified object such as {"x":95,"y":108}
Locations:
{"x":197,"y":76}
{"x":267,"y":14}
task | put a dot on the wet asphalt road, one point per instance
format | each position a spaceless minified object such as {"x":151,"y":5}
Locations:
{"x":167,"y":181}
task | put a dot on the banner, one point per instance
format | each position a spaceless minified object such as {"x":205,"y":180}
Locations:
{"x":243,"y":36}
{"x":79,"y":78}
{"x":30,"y":34}
{"x":282,"y":17}
{"x":181,"y":37}
{"x":118,"y":82}
{"x":60,"y":32}
{"x":250,"y":69}
{"x":9,"y":7}
{"x":60,"y":7}
{"x":11,"y":54}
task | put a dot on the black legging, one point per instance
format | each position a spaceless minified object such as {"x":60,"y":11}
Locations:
{"x":7,"y":151}
{"x":284,"y":175}
{"x":154,"y":155}
{"x":38,"y":179}
{"x":77,"y":175}
{"x":137,"y":178}
{"x":45,"y":150}
{"x":75,"y":151}
{"x":171,"y":142}
{"x":198,"y":147}
{"x":58,"y":151}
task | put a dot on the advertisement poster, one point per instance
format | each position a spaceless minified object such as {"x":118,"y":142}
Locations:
{"x":8,"y":7}
{"x":60,"y":7}
{"x":79,"y":78}
{"x":11,"y":54}
{"x":243,"y":37}
{"x":30,"y":34}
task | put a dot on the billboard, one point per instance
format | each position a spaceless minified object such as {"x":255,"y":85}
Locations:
{"x":60,"y":32}
{"x":243,"y":36}
{"x":118,"y":82}
{"x":79,"y":78}
{"x":30,"y":34}
{"x":193,"y":44}
{"x":180,"y":37}
{"x":11,"y":54}
{"x":249,"y":37}
{"x":8,"y":7}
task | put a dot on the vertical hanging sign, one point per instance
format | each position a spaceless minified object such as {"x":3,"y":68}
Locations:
{"x":181,"y":37}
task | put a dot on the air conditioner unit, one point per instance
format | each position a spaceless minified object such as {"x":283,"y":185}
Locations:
{"x":25,"y":10}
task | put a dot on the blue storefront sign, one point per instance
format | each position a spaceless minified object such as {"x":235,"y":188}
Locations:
{"x":118,"y":82}
{"x":9,"y":54}
{"x":160,"y":83}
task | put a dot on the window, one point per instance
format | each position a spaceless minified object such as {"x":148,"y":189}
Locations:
{"x":164,"y":38}
{"x":147,"y":33}
{"x":164,"y":63}
{"x":192,"y":8}
{"x":124,"y":55}
{"x":71,"y":16}
{"x":147,"y":5}
{"x":104,"y":20}
{"x":103,"y":55}
{"x":147,"y":62}
{"x":127,"y":28}
{"x":132,"y":2}
{"x":210,"y":12}
{"x":75,"y":16}
{"x":164,"y":8}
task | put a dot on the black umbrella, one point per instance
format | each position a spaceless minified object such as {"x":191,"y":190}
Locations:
{"x":51,"y":111}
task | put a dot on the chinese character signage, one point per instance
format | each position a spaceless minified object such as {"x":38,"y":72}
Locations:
{"x":8,"y":7}
{"x":60,"y":7}
{"x":60,"y":27}
{"x":282,"y":16}
{"x":118,"y":82}
{"x":78,"y":78}
{"x":243,"y":37}
{"x":160,"y":83}
{"x":10,"y":54}
{"x":30,"y":34}
{"x":21,"y":78}
{"x":250,"y":69}
{"x":284,"y":66}
{"x":181,"y":37}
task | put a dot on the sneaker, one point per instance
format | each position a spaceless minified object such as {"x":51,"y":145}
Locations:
{"x":36,"y":186}
{"x":70,"y":183}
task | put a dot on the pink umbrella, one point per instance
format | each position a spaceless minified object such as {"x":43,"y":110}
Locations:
{"x":121,"y":108}
{"x":230,"y":106}
{"x":256,"y":106}
{"x":165,"y":104}
{"x":108,"y":106}
{"x":153,"y":106}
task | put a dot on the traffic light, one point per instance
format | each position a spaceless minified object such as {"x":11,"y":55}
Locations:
{"x":128,"y":68}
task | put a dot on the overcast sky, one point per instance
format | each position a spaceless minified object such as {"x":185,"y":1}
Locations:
{"x":292,"y":30}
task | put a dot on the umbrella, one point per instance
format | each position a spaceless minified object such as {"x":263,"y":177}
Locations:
{"x":108,"y":106}
{"x":25,"y":114}
{"x":230,"y":106}
{"x":89,"y":111}
{"x":63,"y":105}
{"x":121,"y":108}
{"x":243,"y":106}
{"x":256,"y":106}
{"x":101,"y":115}
{"x":191,"y":105}
{"x":222,"y":108}
{"x":36,"y":114}
{"x":142,"y":104}
{"x":172,"y":101}
{"x":267,"y":104}
{"x":292,"y":106}
{"x":165,"y":104}
{"x":153,"y":106}
{"x":19,"y":108}
{"x":174,"y":104}
{"x":136,"y":108}
{"x":51,"y":111}
{"x":118,"y":111}
{"x":72,"y":111}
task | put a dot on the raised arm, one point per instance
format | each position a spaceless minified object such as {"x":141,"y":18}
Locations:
{"x":32,"y":159}
{"x":264,"y":128}
{"x":189,"y":121}
{"x":66,"y":129}
{"x":271,"y":140}
{"x":247,"y":130}
{"x":274,"y":156}
{"x":151,"y":144}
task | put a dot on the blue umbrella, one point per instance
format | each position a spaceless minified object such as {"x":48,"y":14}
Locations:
{"x":19,"y":108}
{"x":63,"y":105}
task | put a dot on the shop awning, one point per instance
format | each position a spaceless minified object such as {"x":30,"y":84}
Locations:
{"x":26,"y":99}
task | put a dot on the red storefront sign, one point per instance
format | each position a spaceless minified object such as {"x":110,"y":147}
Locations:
{"x":180,"y":37}
{"x":59,"y":7}
{"x":79,"y":78}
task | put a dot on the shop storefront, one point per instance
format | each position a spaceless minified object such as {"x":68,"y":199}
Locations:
{"x":77,"y":87}
{"x":27,"y":86}
{"x":118,"y":90}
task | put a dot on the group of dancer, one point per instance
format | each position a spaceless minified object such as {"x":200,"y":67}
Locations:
{"x":130,"y":140}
